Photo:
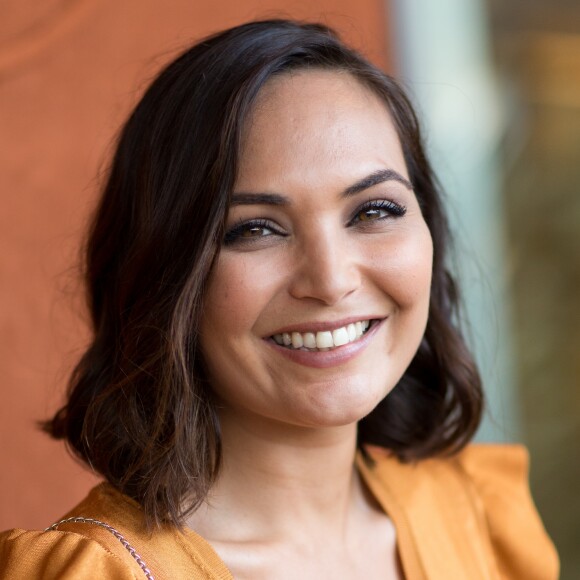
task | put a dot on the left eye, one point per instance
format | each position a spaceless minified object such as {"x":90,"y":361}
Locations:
{"x":378,"y":210}
{"x":370,"y":214}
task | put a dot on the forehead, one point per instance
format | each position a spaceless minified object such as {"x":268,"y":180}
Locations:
{"x":310,"y":119}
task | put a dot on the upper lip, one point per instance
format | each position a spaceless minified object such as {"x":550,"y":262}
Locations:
{"x":321,"y":326}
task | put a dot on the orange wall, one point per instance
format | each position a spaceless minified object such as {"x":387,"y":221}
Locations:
{"x":69,"y":72}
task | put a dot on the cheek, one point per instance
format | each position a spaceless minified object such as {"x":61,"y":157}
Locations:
{"x":239,"y":289}
{"x":405,"y":267}
{"x":226,"y":303}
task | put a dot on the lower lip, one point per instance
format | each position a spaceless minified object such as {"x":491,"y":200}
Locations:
{"x":329,"y":358}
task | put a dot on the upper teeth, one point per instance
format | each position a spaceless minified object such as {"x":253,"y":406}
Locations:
{"x":324,"y":339}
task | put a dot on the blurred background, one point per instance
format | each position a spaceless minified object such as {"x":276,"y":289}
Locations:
{"x":497,"y":85}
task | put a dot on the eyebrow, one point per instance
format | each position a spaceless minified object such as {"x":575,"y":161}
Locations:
{"x":242,"y":198}
{"x":375,"y":178}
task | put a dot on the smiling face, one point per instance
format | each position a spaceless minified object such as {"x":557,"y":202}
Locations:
{"x":320,"y":295}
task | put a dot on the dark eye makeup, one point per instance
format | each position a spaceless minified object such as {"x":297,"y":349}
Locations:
{"x":365,"y":215}
{"x":378,"y":209}
{"x":251,"y":230}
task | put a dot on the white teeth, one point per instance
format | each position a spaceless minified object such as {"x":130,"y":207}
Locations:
{"x":323,"y":340}
{"x":351,"y":329}
{"x":340,"y":336}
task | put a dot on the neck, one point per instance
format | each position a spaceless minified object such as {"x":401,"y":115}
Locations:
{"x":279,"y":479}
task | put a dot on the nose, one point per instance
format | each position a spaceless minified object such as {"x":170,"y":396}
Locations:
{"x":326,"y":269}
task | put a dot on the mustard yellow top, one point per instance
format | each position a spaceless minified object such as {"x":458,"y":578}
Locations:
{"x":466,"y":517}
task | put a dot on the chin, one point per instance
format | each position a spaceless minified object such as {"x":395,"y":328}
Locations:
{"x":341,"y":407}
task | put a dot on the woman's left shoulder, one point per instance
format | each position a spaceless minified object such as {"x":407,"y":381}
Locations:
{"x":499,"y":475}
{"x":483,"y":487}
{"x":489,"y":465}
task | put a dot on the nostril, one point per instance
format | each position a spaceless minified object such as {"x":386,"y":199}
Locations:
{"x":325,"y":282}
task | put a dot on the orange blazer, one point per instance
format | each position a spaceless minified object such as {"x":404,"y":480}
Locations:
{"x":467,"y":517}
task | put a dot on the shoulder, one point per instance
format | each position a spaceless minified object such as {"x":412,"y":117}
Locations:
{"x":486,"y":485}
{"x":490,"y":466}
{"x":499,"y":474}
{"x":56,"y":554}
{"x":76,"y":550}
{"x":105,"y":537}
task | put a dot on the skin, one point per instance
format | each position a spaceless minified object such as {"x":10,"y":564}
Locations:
{"x":289,"y":428}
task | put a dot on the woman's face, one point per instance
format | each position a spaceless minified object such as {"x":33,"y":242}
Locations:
{"x":324,"y":238}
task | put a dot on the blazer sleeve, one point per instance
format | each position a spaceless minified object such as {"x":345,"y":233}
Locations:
{"x":520,"y":543}
{"x":57,"y":555}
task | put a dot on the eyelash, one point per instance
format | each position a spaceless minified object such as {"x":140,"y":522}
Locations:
{"x":236,"y":233}
{"x":394,"y":210}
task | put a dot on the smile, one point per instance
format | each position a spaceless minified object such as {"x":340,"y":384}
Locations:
{"x":323,"y":340}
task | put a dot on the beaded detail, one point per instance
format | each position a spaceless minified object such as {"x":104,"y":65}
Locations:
{"x":118,"y":535}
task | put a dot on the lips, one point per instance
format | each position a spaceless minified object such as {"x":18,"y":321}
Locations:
{"x":323,"y":340}
{"x":326,"y":357}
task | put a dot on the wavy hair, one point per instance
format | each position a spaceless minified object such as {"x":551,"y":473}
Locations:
{"x":139,"y":408}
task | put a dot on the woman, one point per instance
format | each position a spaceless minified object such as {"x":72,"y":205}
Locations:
{"x":277,"y":387}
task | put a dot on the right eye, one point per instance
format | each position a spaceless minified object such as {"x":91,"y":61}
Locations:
{"x":250,"y":231}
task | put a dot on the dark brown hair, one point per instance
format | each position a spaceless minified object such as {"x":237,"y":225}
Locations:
{"x":139,"y":408}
